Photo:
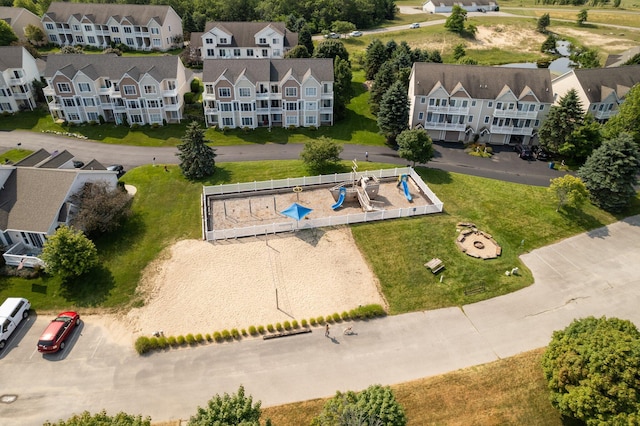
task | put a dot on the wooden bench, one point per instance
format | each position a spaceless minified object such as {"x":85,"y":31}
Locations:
{"x":435,"y":265}
{"x":474,"y":290}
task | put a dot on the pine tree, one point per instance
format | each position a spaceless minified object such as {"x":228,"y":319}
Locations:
{"x":305,"y":39}
{"x":385,"y":77}
{"x":197,"y":159}
{"x":543,"y":22}
{"x":342,"y":88}
{"x":458,"y":51}
{"x":611,"y":173}
{"x":374,"y":57}
{"x":393,"y":116}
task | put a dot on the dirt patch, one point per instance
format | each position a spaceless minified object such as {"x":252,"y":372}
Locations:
{"x":611,"y":42}
{"x":506,"y":38}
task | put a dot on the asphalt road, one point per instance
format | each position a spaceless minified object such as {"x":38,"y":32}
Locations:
{"x":588,"y":274}
{"x":504,"y":165}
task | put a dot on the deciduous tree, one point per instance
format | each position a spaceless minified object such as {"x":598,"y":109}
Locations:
{"x":7,"y":36}
{"x":415,"y":145}
{"x":393,"y":116}
{"x":455,"y":21}
{"x":568,"y":191}
{"x":592,"y":369}
{"x":342,"y":88}
{"x":229,"y":410}
{"x":582,"y":17}
{"x":102,"y":419}
{"x":586,"y":58}
{"x":34,"y":34}
{"x":320,"y":154}
{"x":611,"y":173}
{"x":101,"y":208}
{"x":458,"y":51}
{"x":342,"y":27}
{"x":197,"y":159}
{"x":628,"y":117}
{"x":298,"y":51}
{"x":331,"y":49}
{"x":69,"y":253}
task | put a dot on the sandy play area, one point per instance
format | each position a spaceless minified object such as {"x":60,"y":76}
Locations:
{"x":233,"y":284}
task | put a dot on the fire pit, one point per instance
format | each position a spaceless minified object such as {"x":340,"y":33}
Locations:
{"x":476,"y":243}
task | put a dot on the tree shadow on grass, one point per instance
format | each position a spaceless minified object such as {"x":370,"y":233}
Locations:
{"x":434,"y":176}
{"x":584,"y":220}
{"x":91,"y":289}
{"x":128,"y":235}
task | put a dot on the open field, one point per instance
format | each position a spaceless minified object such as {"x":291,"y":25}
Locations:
{"x":511,"y":391}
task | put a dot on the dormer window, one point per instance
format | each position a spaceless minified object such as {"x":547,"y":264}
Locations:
{"x":262,"y":40}
{"x":223,"y":40}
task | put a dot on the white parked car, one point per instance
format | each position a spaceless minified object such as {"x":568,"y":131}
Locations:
{"x":414,"y":25}
{"x":355,"y":33}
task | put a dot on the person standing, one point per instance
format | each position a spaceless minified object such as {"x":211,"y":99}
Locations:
{"x":366,"y":155}
{"x":326,"y":330}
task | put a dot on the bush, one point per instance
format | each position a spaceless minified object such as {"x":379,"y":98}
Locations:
{"x":226,"y":335}
{"x":329,"y":319}
{"x":217,"y":337}
{"x":142,"y":345}
{"x":313,"y":321}
{"x":295,"y":324}
{"x":244,"y":332}
{"x":199,"y":338}
{"x":304,"y":323}
{"x":195,"y":85}
{"x":153,"y":343}
{"x":345,"y":316}
{"x":278,"y":326}
{"x":208,"y":337}
{"x":235,"y":333}
{"x":252,"y":330}
{"x":180,"y":340}
{"x":261,"y":329}
{"x":270,"y":328}
{"x":336,"y":317}
{"x":172,"y":341}
{"x":287,"y":325}
{"x":190,"y":339}
{"x":189,"y":98}
{"x":162,"y":342}
{"x":320,"y":320}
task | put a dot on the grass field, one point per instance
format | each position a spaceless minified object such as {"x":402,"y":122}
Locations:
{"x":511,"y":391}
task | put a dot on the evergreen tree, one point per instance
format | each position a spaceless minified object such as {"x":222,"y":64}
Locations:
{"x":374,"y":57}
{"x":391,"y":46}
{"x":7,"y":36}
{"x":435,"y":57}
{"x":69,"y":253}
{"x":415,"y":145}
{"x":393,"y":116}
{"x":34,"y":34}
{"x":549,"y":44}
{"x":402,"y":56}
{"x":628,"y":117}
{"x":611,"y":173}
{"x":582,"y":17}
{"x":342,"y":88}
{"x":385,"y":77}
{"x":455,"y":21}
{"x":197,"y":159}
{"x":543,"y":22}
{"x":305,"y":39}
{"x":586,"y":58}
{"x":458,"y":51}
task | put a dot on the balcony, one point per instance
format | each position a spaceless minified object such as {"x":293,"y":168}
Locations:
{"x":604,"y":115}
{"x":210,"y":110}
{"x":430,"y":125}
{"x":510,"y":130}
{"x":48,"y":91}
{"x":171,"y":107}
{"x":20,"y":255}
{"x":170,"y":93}
{"x":54,"y":105}
{"x":448,"y":110}
{"x":514,"y":113}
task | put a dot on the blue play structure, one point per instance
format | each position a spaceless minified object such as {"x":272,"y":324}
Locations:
{"x":343,"y":193}
{"x":405,"y":187}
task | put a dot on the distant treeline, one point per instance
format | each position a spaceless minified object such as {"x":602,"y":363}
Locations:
{"x":616,"y":3}
{"x":318,"y":14}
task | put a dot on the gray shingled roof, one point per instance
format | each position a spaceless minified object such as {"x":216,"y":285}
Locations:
{"x":56,"y":160}
{"x":10,"y":57}
{"x":244,"y":32}
{"x":483,"y":82}
{"x":112,"y":66}
{"x":267,"y":69}
{"x":466,"y":3}
{"x":31,"y":198}
{"x":598,"y":83}
{"x":619,"y":60}
{"x":100,"y":13}
{"x":34,"y":158}
{"x":94,"y":165}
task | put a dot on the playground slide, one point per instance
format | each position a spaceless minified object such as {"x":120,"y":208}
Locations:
{"x":405,"y":187}
{"x":343,"y":193}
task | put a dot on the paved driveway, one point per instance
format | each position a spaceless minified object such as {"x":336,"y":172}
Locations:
{"x":591,"y":274}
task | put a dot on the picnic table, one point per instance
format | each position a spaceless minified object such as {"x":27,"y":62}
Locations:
{"x":435,"y":265}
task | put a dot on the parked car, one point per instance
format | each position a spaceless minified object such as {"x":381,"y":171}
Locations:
{"x":117,"y":168}
{"x":53,"y":337}
{"x":543,"y":155}
{"x":524,"y":152}
{"x":332,"y":35}
{"x":12,"y":312}
{"x":78,"y":164}
{"x":414,"y":25}
{"x":355,"y":33}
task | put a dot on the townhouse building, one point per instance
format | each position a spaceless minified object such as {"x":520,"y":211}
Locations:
{"x":140,"y":27}
{"x":497,"y":105}
{"x":18,"y":19}
{"x":18,"y":69}
{"x":124,"y":90}
{"x":268,"y":93}
{"x":243,"y":40}
{"x":600,"y":90}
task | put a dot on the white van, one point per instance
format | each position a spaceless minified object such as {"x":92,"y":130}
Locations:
{"x":12,"y":312}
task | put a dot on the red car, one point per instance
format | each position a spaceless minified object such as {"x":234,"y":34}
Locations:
{"x":54,"y":336}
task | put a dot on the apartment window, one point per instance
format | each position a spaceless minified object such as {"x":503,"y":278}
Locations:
{"x":291,"y":92}
{"x":223,"y":40}
{"x":84,"y":87}
{"x":326,"y":88}
{"x":155,"y":118}
{"x":130,"y":41}
{"x":276,"y":52}
{"x":136,"y":118}
{"x":157,"y":42}
{"x":64,"y":88}
{"x":250,"y":52}
{"x":115,"y":29}
{"x":208,"y":40}
{"x":88,"y":28}
{"x":310,"y":91}
{"x":49,"y":26}
{"x":247,"y":121}
{"x":209,"y":89}
{"x":310,"y":106}
{"x":262,"y":40}
{"x":171,"y":85}
{"x":265,"y":53}
{"x":495,"y":121}
{"x":610,"y":107}
{"x":541,"y":107}
{"x":498,"y":105}
{"x":291,"y":106}
{"x":89,"y":102}
{"x":275,"y":88}
{"x":79,"y":39}
{"x":154,"y":103}
{"x":420,"y":116}
{"x":536,"y":123}
{"x":93,"y":116}
{"x":222,"y":53}
{"x":91,"y":39}
{"x":226,"y":107}
{"x":227,"y":121}
{"x":532,"y":107}
{"x":246,"y":107}
{"x":133,"y":104}
{"x":326,"y":103}
{"x":465,"y":103}
{"x":490,"y":104}
{"x":211,"y":52}
{"x":486,"y":119}
{"x":470,"y":119}
{"x":527,"y":123}
{"x":443,"y":102}
{"x":310,"y":120}
{"x":127,"y":30}
{"x":130,"y":90}
{"x":76,"y":27}
{"x":473,"y":103}
{"x":275,"y":103}
{"x":224,"y":92}
{"x":244,"y":92}
{"x":117,"y":40}
{"x":73,"y":116}
{"x":432,"y":102}
{"x":292,"y":120}
{"x":149,"y":90}
{"x":236,"y":52}
{"x":155,"y":30}
{"x":510,"y":107}
{"x":68,"y":102}
{"x":423,"y":100}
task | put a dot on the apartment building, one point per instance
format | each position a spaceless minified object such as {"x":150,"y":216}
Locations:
{"x":601,"y":90}
{"x":243,"y":40}
{"x":140,"y":27}
{"x":268,"y":92}
{"x":18,"y":69}
{"x":18,"y":19}
{"x":124,"y":90}
{"x":446,"y":6}
{"x":497,"y":105}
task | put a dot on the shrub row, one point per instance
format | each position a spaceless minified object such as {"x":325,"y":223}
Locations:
{"x":146,"y":344}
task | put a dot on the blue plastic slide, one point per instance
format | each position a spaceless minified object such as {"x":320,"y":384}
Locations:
{"x":405,"y":187}
{"x":343,"y":193}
